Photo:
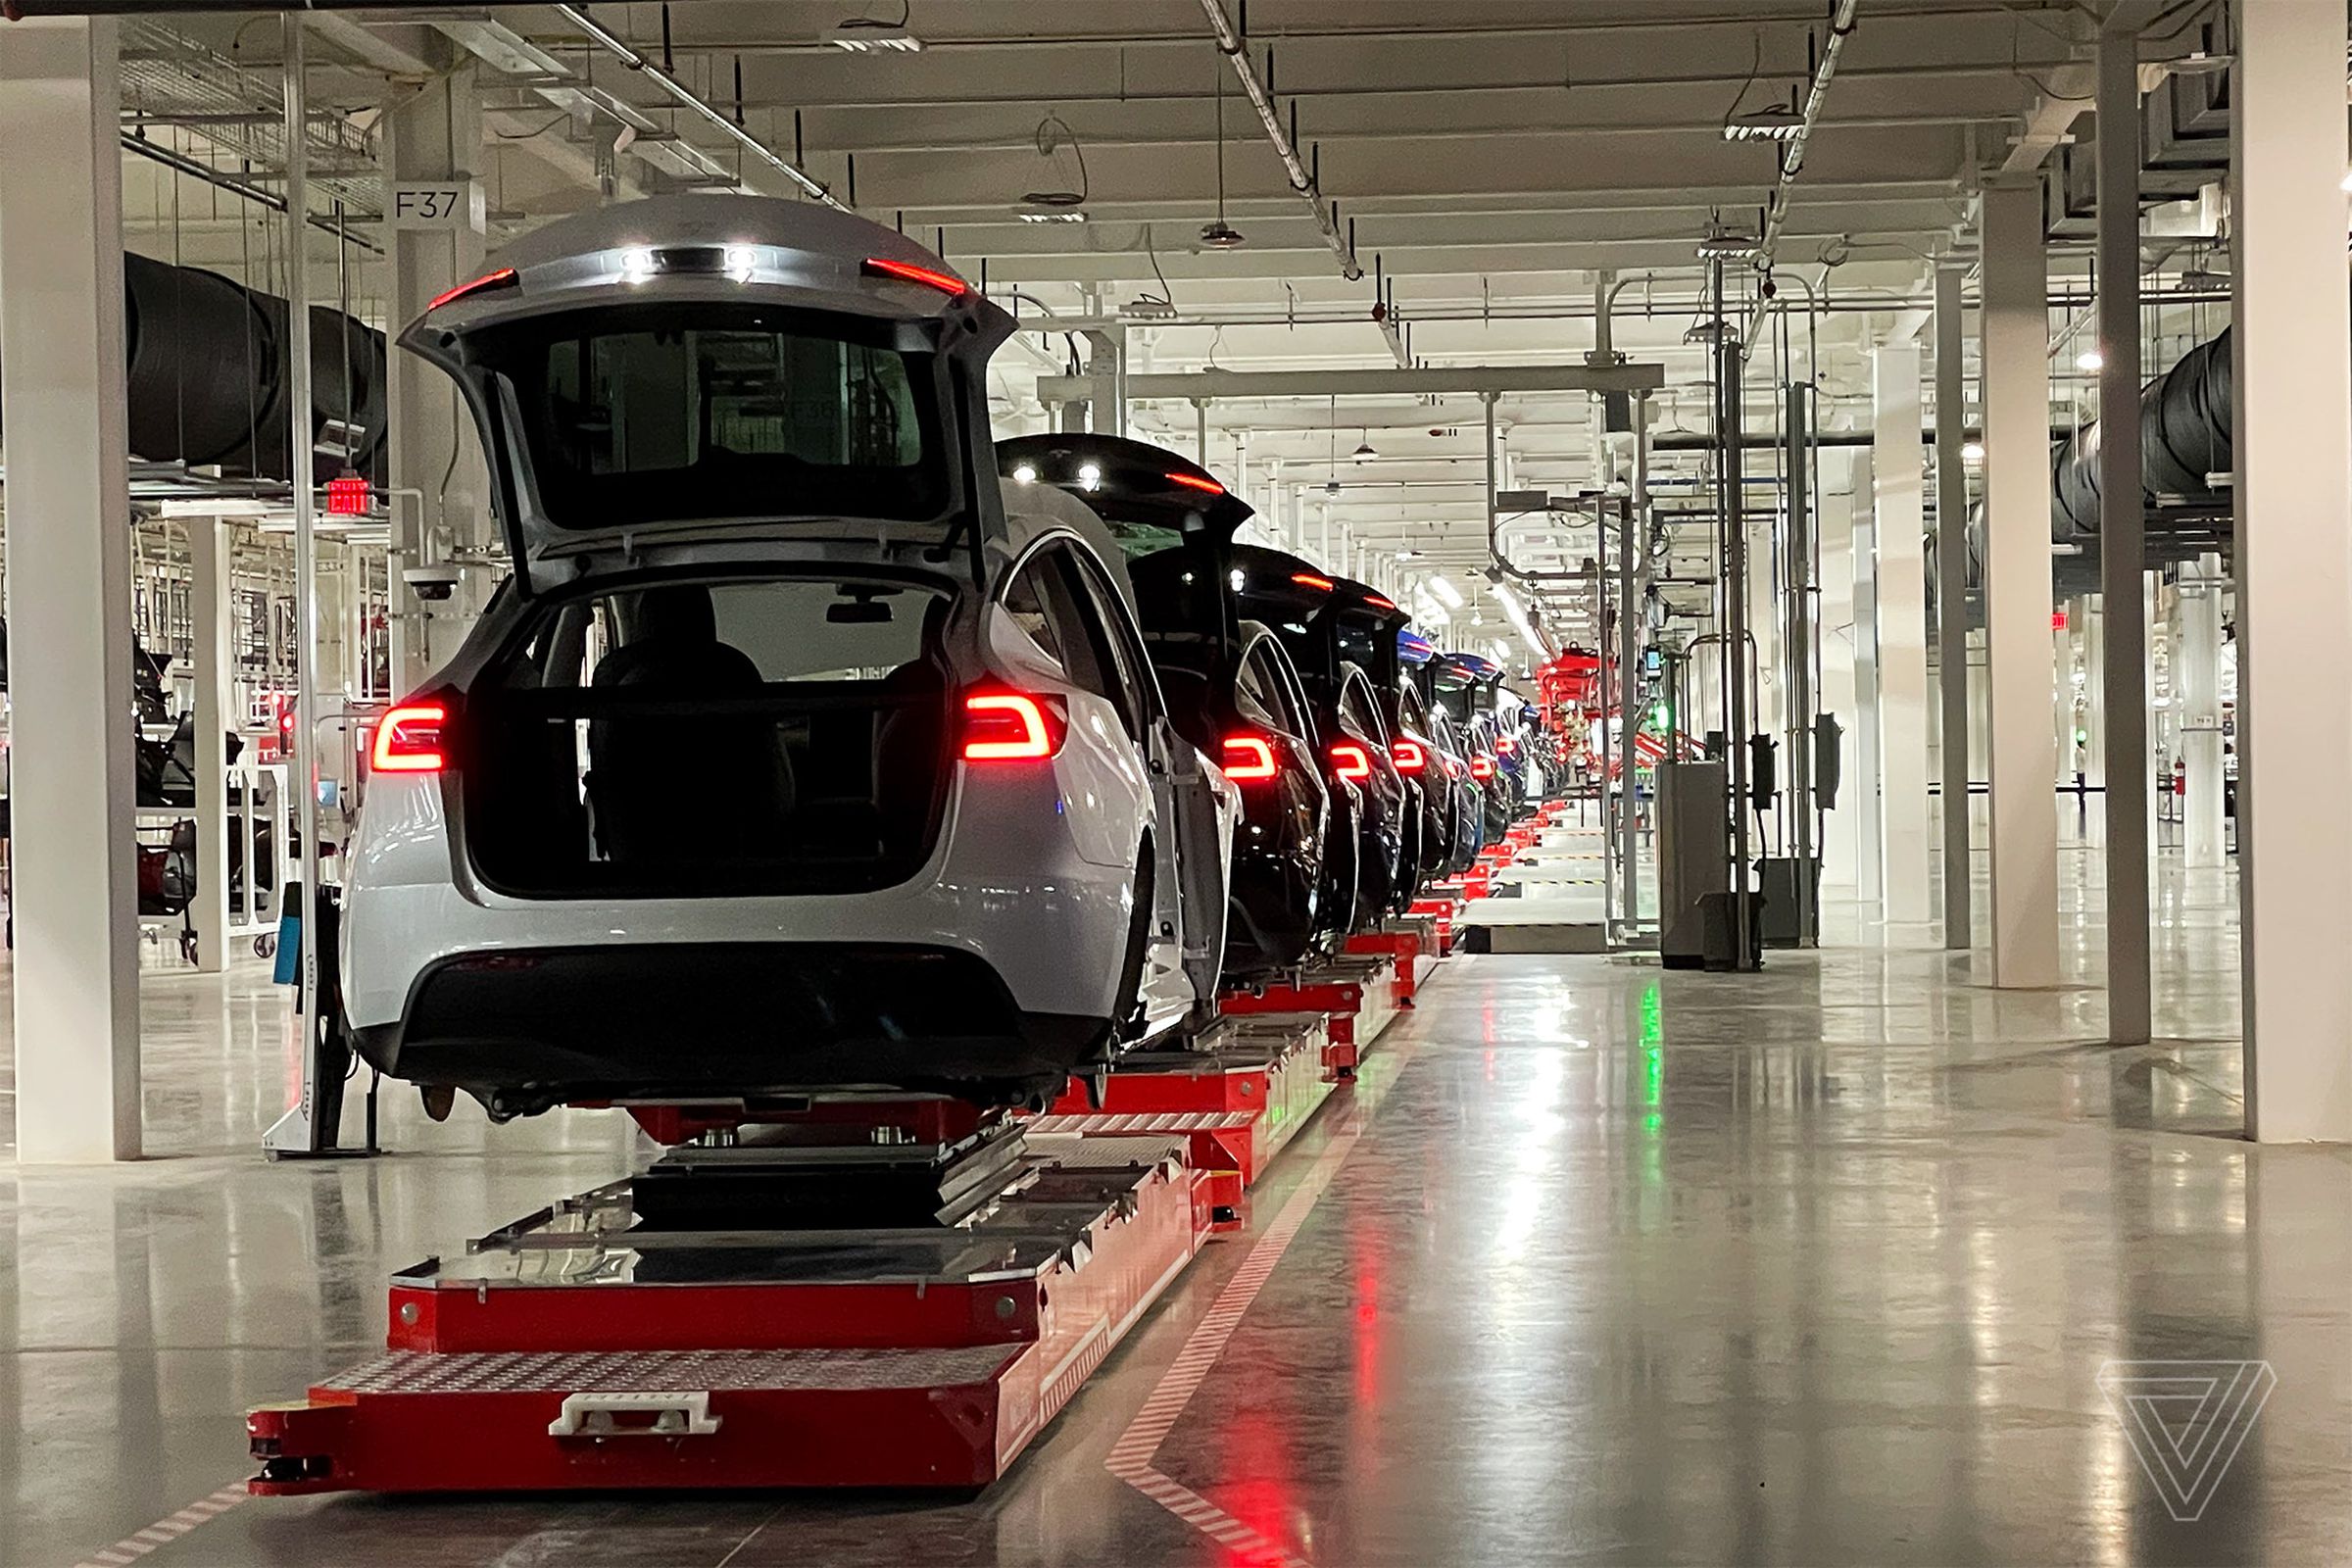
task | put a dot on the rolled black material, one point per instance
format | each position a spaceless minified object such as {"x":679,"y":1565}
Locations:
{"x":2184,"y":434}
{"x":205,"y":373}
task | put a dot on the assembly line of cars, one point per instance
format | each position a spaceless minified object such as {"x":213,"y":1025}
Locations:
{"x":818,"y":742}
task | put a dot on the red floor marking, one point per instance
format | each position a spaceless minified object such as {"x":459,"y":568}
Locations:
{"x":1131,"y":1457}
{"x":131,"y":1548}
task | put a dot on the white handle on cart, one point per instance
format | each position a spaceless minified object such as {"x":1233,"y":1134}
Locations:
{"x":596,"y":1416}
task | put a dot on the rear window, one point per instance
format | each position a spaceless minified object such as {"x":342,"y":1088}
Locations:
{"x":711,"y":737}
{"x":676,"y":413}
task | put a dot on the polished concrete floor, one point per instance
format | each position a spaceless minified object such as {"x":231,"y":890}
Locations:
{"x":1598,"y":1263}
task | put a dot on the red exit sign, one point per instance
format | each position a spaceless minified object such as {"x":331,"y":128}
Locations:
{"x":347,"y":496}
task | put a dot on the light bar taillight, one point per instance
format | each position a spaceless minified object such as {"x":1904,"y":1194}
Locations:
{"x":1011,"y":726}
{"x":408,"y":740}
{"x":1307,"y":579}
{"x":1504,"y":746}
{"x":1409,"y":757}
{"x":1200,"y":482}
{"x":1379,"y":603}
{"x":503,"y":279}
{"x":909,"y":273}
{"x":1249,"y":758}
{"x":1351,"y":760}
{"x":1482,"y":766}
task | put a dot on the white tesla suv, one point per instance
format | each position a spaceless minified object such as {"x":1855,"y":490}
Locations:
{"x":794,"y":754}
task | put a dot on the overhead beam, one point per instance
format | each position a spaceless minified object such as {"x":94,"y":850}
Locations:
{"x":1485,"y":380}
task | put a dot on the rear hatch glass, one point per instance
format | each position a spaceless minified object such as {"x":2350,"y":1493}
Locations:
{"x":653,"y":413}
{"x":717,"y":736}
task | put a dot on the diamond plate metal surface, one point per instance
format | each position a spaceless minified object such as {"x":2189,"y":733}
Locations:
{"x":1144,"y":1122}
{"x":1113,"y":1153}
{"x":667,"y":1371}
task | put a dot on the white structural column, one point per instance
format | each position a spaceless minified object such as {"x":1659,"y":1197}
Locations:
{"x":69,"y":591}
{"x":1835,"y":528}
{"x":208,"y":618}
{"x":431,"y":134}
{"x":2197,"y":677}
{"x":1951,"y":603}
{"x":2293,"y":488}
{"x":2123,"y":517}
{"x":2019,"y":671}
{"x":1866,"y":780}
{"x":1899,"y":487}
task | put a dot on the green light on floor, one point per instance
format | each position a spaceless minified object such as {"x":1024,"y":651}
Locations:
{"x":1653,"y":1046}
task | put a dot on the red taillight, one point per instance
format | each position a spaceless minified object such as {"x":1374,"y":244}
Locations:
{"x":504,"y":277}
{"x":1200,"y":482}
{"x":1010,"y":726}
{"x":1504,"y":746}
{"x":1409,"y":757}
{"x":1482,"y":766}
{"x":1249,"y":758}
{"x":1307,"y":579}
{"x":1378,"y":603}
{"x":408,"y":740}
{"x":1351,"y":760}
{"x":909,"y":273}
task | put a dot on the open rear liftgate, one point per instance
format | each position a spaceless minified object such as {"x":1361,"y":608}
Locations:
{"x":880,"y":1291}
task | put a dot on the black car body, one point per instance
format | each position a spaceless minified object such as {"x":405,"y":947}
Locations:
{"x":1296,"y":600}
{"x":1230,"y":685}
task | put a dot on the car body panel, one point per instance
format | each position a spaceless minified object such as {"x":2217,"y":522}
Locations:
{"x":1029,"y":889}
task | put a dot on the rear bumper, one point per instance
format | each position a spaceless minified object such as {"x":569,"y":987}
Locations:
{"x":526,"y":1028}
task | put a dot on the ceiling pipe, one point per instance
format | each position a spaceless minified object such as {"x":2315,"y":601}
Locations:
{"x":626,"y":53}
{"x":1229,"y":43}
{"x":1792,"y":152}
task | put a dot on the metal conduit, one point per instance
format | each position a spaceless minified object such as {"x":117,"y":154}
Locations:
{"x":1793,"y":155}
{"x":1229,"y":42}
{"x":627,"y":55}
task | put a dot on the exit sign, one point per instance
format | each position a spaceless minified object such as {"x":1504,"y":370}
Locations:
{"x":347,"y":496}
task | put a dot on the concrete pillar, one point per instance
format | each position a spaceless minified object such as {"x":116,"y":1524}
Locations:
{"x":2094,"y":698}
{"x":2123,"y":515}
{"x":2016,"y":587}
{"x":1952,"y":602}
{"x":215,"y":659}
{"x":1899,"y":489}
{"x":2197,"y":688}
{"x":2158,"y":770}
{"x":1869,"y":777}
{"x":2294,"y":390}
{"x":433,"y":132}
{"x":1835,"y":525}
{"x":69,"y":592}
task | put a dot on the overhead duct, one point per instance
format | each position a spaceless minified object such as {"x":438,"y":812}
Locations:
{"x":205,"y":376}
{"x":2184,"y":436}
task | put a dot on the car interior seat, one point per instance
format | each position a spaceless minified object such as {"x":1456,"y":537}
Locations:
{"x":644,"y":767}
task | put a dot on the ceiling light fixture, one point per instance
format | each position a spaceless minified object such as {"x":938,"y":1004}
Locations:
{"x":2091,"y":360}
{"x":868,"y":35}
{"x":1217,"y":235}
{"x":1775,"y":123}
{"x":1721,"y":244}
{"x":1972,"y":452}
{"x":1448,"y":594}
{"x":1053,"y":201}
{"x":1364,"y":448}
